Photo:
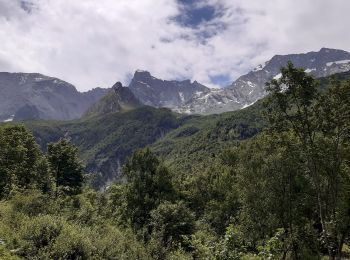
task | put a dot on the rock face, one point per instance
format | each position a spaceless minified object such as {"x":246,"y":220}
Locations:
{"x":25,"y":96}
{"x":249,"y":88}
{"x":118,"y":99}
{"x":162,"y":93}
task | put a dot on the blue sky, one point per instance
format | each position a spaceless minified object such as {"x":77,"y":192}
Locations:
{"x":96,"y":43}
{"x":192,"y":15}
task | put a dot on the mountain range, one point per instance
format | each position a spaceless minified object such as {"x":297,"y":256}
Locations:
{"x":25,"y":96}
{"x":250,"y":87}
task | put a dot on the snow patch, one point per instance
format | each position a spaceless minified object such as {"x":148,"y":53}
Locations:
{"x":250,"y":84}
{"x":310,"y":70}
{"x":148,"y":86}
{"x":259,"y":67}
{"x":278,"y":76}
{"x":182,"y":97}
{"x":247,"y":105}
{"x":57,"y":81}
{"x":205,"y":97}
{"x":186,"y":111}
{"x":337,"y":62}
{"x":10,"y":119}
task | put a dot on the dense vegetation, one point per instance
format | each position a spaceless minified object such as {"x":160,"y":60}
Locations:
{"x":104,"y":142}
{"x":268,"y":182}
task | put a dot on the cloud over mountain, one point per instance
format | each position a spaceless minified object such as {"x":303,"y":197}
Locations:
{"x":94,"y":43}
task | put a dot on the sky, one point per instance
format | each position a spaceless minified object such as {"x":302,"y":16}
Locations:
{"x":93,"y":43}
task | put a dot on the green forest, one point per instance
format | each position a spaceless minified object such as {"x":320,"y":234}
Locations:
{"x":271,"y":181}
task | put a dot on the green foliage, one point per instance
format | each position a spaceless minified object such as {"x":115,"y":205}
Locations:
{"x":149,"y":184}
{"x":56,"y":231}
{"x":211,"y":193}
{"x":203,"y":243}
{"x":274,"y":247}
{"x":320,"y":124}
{"x":171,"y":222}
{"x":231,"y":186}
{"x":105,"y":142}
{"x":6,"y":254}
{"x":21,"y":165}
{"x":65,"y":166}
{"x":231,"y":246}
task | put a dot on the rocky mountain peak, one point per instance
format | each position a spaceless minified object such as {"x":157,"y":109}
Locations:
{"x":250,"y":87}
{"x":162,"y":93}
{"x":118,"y":99}
{"x":25,"y":96}
{"x":142,"y":74}
{"x":117,"y":86}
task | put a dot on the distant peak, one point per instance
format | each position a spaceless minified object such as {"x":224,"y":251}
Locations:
{"x":142,"y":73}
{"x":330,"y":50}
{"x":117,"y":85}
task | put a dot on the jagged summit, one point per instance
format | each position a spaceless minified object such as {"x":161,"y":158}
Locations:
{"x":118,"y":99}
{"x":250,"y":87}
{"x":163,"y":93}
{"x":142,"y":74}
{"x":117,"y":86}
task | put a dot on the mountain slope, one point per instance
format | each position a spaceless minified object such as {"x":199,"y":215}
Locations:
{"x":104,"y":141}
{"x":32,"y":96}
{"x":249,"y":88}
{"x":118,"y":99}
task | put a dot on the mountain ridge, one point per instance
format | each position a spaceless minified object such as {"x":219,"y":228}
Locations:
{"x":47,"y":97}
{"x":163,"y":93}
{"x":250,"y":87}
{"x":25,"y":96}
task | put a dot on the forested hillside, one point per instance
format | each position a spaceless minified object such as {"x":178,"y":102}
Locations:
{"x":105,"y":141}
{"x":267,"y":182}
{"x":183,"y":141}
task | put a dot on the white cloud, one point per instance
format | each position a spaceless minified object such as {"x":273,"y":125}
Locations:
{"x":95,"y":43}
